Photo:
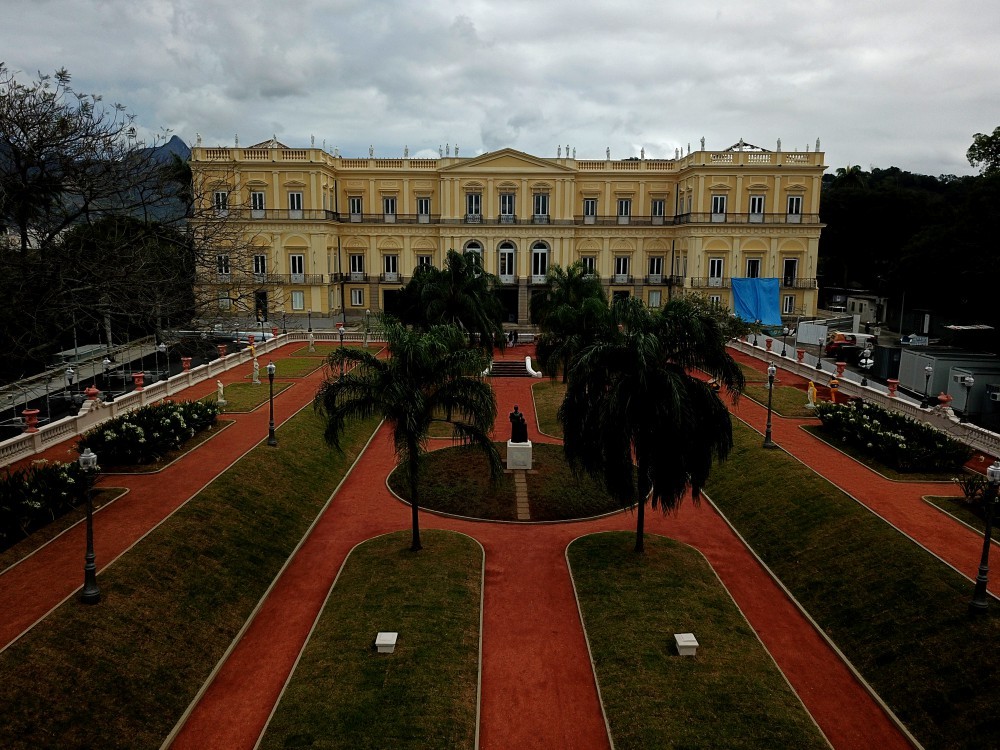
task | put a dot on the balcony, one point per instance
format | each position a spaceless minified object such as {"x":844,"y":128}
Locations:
{"x":710,"y":282}
{"x":507,"y":219}
{"x":789,"y":282}
{"x":539,"y":280}
{"x":654,"y":278}
{"x":389,"y":277}
{"x":357,"y":276}
{"x":621,"y":278}
{"x":384,"y":218}
{"x":508,"y":279}
{"x":540,"y":219}
{"x":732,"y":218}
{"x":473,"y":218}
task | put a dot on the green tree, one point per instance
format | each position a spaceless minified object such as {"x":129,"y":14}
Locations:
{"x":851,"y":176}
{"x":428,"y":377}
{"x":985,"y":152}
{"x":636,"y":416}
{"x":460,"y":294}
{"x":569,"y":312}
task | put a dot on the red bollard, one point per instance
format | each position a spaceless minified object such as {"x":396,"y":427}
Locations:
{"x":186,"y":364}
{"x":137,"y":378}
{"x":30,"y":420}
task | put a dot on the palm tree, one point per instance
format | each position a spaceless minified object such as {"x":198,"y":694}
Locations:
{"x":568,"y":312}
{"x":460,"y":294}
{"x":427,"y":375}
{"x":635,"y":415}
{"x":851,"y":176}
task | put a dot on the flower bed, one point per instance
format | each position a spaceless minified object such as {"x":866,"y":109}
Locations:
{"x":894,"y":439}
{"x":32,"y":497}
{"x":148,"y":433}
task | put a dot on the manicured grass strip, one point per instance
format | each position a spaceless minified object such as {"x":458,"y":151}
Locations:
{"x":898,"y":613}
{"x":457,"y":480}
{"x":786,"y":401}
{"x":245,"y":397}
{"x":293,"y":367}
{"x":731,"y":695}
{"x":345,"y":695}
{"x":960,"y":509}
{"x":548,"y":397}
{"x":752,"y":374}
{"x":120,"y":674}
{"x":874,"y":464}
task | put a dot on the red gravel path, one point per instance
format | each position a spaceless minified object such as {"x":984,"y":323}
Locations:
{"x":538,"y":689}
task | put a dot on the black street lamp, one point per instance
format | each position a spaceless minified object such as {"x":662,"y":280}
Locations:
{"x":928,"y":371}
{"x":108,"y":395}
{"x":309,"y":317}
{"x":865,"y":363}
{"x":367,"y":316}
{"x":284,"y":328}
{"x":271,"y":439}
{"x":980,"y":600}
{"x":340,"y":331}
{"x":91,"y":594}
{"x":771,"y":370}
{"x":968,"y":381}
{"x":819,"y":354}
{"x":784,"y":335}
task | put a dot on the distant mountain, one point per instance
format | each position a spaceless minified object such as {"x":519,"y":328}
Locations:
{"x":174,"y":147}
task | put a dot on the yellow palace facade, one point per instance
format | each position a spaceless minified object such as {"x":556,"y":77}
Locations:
{"x":327,"y":236}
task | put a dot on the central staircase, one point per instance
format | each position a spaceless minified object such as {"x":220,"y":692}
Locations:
{"x":509,"y":368}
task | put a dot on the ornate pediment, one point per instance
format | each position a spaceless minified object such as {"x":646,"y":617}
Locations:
{"x":506,"y":160}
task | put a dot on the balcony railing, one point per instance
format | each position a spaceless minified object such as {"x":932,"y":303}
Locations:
{"x":508,"y":279}
{"x":789,"y":282}
{"x":390,"y":277}
{"x":710,"y":282}
{"x":385,"y":218}
{"x":247,"y":278}
{"x":733,"y":218}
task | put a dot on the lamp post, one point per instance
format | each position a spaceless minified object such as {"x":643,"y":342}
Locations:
{"x":968,"y":381}
{"x":284,"y":328}
{"x":161,"y":348}
{"x":865,"y":363}
{"x":309,"y":317}
{"x":784,"y":335}
{"x":91,"y":594}
{"x":928,"y":371}
{"x":340,"y":332}
{"x":819,"y":354}
{"x":106,"y":365}
{"x":271,"y":439}
{"x":980,"y":600}
{"x":771,"y":370}
{"x":367,"y":316}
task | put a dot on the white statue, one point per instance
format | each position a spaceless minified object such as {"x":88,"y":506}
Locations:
{"x":256,"y":371}
{"x":371,"y":151}
{"x":220,"y":395}
{"x":312,"y":342}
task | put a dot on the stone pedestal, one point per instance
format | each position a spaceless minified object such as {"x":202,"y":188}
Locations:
{"x":518,"y":455}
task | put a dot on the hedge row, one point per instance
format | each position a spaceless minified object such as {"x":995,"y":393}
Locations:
{"x":33,"y":497}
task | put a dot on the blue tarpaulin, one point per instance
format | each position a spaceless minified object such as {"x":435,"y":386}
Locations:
{"x":757,"y":299}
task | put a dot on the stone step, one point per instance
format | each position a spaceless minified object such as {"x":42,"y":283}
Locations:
{"x":509,"y":369}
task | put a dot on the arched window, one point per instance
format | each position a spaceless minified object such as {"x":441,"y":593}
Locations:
{"x":539,"y":262}
{"x":505,"y":257}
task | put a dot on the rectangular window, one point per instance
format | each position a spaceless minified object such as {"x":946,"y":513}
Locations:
{"x":221,"y":203}
{"x":257,"y":201}
{"x":390,"y":267}
{"x":753,"y":268}
{"x":654,"y":298}
{"x":718,"y":208}
{"x":789,"y":271}
{"x":624,"y":210}
{"x":357,"y":298}
{"x":756,"y":208}
{"x":295,"y":201}
{"x":473,"y":208}
{"x":389,"y":208}
{"x":656,"y":210}
{"x":225,"y":302}
{"x":299,"y":300}
{"x":589,"y":264}
{"x":507,"y":211}
{"x":423,"y":210}
{"x":357,"y":267}
{"x":589,"y":210}
{"x":260,"y":265}
{"x":222,"y":265}
{"x":539,"y":264}
{"x":715,"y":266}
{"x":425,"y":260}
{"x":354,"y":206}
{"x":296,"y":266}
{"x":540,"y":204}
{"x":656,"y":265}
{"x":794,"y":209}
{"x":715,"y":299}
{"x":621,"y":269}
{"x":788,"y":304}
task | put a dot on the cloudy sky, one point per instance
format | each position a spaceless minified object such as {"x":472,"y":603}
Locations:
{"x":880,"y":82}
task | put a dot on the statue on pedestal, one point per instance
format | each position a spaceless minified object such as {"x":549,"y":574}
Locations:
{"x":220,"y":397}
{"x":518,"y":427}
{"x":256,"y":371}
{"x":312,"y":341}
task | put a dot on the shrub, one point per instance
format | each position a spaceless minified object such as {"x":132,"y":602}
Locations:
{"x":894,"y":439}
{"x":148,"y":433}
{"x":34,"y":496}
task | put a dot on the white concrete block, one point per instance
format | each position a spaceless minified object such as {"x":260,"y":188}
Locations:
{"x":687,"y":644}
{"x":386,"y":642}
{"x":519,"y":455}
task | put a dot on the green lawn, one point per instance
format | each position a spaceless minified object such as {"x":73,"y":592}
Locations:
{"x":345,"y":695}
{"x":456,"y":480}
{"x":119,"y":674}
{"x":899,"y":614}
{"x":786,"y":401}
{"x":731,"y":695}
{"x":245,"y":397}
{"x":548,"y":396}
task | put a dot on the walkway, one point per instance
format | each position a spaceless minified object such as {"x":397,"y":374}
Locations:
{"x":535,"y":664}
